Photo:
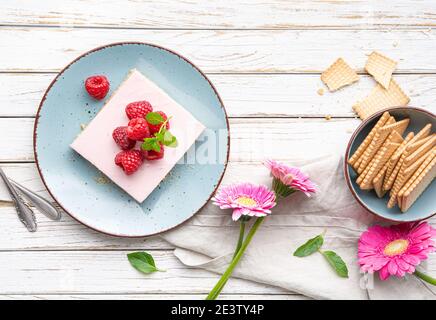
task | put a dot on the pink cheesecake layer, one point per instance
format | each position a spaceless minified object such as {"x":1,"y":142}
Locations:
{"x":96,"y":145}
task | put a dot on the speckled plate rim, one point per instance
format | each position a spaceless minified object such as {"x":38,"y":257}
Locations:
{"x":353,"y":137}
{"x":41,"y":104}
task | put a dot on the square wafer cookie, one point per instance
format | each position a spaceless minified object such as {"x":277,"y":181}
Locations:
{"x":339,"y":75}
{"x":361,"y":149}
{"x":419,"y":185}
{"x":381,"y":98}
{"x":381,"y":68}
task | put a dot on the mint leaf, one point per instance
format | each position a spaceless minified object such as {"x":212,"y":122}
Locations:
{"x":151,"y":144}
{"x":169,"y":140}
{"x":309,"y":247}
{"x":148,"y":144}
{"x":337,"y":263}
{"x":154,"y":118}
{"x":159,"y":136}
{"x":143,"y":262}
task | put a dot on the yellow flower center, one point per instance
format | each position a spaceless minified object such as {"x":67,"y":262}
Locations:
{"x":246,"y":201}
{"x":396,"y":247}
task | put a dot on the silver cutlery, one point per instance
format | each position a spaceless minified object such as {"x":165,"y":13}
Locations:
{"x":43,"y":205}
{"x":25,"y":214}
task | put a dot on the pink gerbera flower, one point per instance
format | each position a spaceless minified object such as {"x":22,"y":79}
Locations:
{"x":395,"y":250}
{"x":289,"y":179}
{"x":245,"y":199}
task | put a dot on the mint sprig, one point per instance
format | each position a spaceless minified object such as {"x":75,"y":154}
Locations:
{"x":314,"y":245}
{"x":143,"y":262}
{"x":162,"y":137}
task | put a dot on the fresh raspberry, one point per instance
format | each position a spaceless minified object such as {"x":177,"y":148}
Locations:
{"x":137,"y":129}
{"x":97,"y":86}
{"x":121,"y":138}
{"x":129,"y":160}
{"x":119,"y":158}
{"x":156,"y":127}
{"x":138,"y":109}
{"x":154,"y":155}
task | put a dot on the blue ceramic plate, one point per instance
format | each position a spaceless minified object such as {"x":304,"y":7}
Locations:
{"x":425,"y":206}
{"x":77,"y":185}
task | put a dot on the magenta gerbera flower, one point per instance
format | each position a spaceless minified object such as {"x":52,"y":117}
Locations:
{"x":245,"y":199}
{"x":289,"y":179}
{"x":395,"y":250}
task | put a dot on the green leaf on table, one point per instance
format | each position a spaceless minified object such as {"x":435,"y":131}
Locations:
{"x":154,"y":118}
{"x":143,"y":262}
{"x":337,"y":263}
{"x":311,"y":246}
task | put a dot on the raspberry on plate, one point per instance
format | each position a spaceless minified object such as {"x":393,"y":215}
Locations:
{"x":129,"y":160}
{"x":121,"y":138}
{"x":156,"y":127}
{"x":138,"y":109}
{"x":97,"y":86}
{"x":154,"y":155}
{"x":137,"y":129}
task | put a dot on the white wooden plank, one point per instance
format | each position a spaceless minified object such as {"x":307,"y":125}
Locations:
{"x":219,"y":14}
{"x":273,"y":51}
{"x":164,"y":296}
{"x":107,"y":272}
{"x":68,"y":234}
{"x":251,"y":139}
{"x":244,"y":95}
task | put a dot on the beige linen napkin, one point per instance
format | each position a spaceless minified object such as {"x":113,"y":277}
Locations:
{"x":207,"y":241}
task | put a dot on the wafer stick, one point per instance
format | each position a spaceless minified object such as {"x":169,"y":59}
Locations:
{"x":400,"y":178}
{"x":397,"y":154}
{"x":373,"y":147}
{"x":394,"y":137}
{"x":421,"y":150}
{"x":419,"y":185}
{"x":378,"y":181}
{"x":411,"y":173}
{"x":410,"y":148}
{"x":423,"y":133}
{"x":361,"y":149}
{"x":378,"y":164}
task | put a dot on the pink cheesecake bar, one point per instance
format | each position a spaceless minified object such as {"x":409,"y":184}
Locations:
{"x":95,"y":142}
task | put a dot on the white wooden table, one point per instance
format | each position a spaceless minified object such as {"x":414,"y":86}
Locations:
{"x":264,"y":57}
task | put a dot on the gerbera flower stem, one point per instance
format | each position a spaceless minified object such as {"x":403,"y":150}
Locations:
{"x":238,"y":246}
{"x":221,"y":282}
{"x":425,"y":277}
{"x":241,"y":237}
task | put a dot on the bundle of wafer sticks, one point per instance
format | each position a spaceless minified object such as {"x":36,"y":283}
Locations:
{"x":388,"y":162}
